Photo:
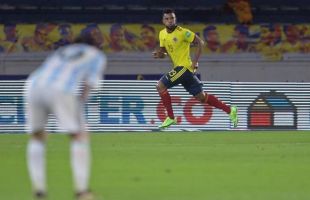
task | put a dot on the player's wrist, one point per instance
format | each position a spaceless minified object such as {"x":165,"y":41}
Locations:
{"x":159,"y":54}
{"x":162,"y":54}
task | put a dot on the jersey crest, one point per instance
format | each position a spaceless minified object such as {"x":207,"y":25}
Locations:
{"x":187,"y":34}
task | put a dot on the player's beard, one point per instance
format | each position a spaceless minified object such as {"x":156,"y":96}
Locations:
{"x":171,"y":28}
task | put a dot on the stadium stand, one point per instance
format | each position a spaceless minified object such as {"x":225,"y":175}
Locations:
{"x":39,"y":26}
{"x":119,"y":11}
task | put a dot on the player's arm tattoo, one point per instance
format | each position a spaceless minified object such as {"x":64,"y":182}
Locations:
{"x":200,"y":43}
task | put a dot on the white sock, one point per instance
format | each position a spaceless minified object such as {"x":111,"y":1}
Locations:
{"x":80,"y":164}
{"x":36,"y":164}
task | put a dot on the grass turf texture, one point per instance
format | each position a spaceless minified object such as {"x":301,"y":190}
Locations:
{"x":171,"y":166}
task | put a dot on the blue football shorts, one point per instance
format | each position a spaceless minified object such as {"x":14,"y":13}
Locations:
{"x":181,"y":75}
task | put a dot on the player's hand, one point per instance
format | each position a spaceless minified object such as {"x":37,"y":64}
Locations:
{"x":159,"y":54}
{"x":195,"y":66}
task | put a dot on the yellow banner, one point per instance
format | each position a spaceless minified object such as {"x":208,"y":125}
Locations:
{"x":271,"y":40}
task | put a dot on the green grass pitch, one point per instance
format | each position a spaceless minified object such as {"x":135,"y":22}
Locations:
{"x":171,"y":166}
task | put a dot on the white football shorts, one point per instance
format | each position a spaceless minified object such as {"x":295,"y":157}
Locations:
{"x":67,"y":109}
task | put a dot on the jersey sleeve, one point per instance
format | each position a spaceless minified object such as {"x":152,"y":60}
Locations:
{"x":161,"y":39}
{"x":95,"y":70}
{"x":189,"y":36}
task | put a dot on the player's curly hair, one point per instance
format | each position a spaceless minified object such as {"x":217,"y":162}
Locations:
{"x":85,"y":38}
{"x":168,"y":11}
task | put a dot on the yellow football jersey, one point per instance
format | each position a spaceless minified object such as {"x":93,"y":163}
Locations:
{"x":177,"y":45}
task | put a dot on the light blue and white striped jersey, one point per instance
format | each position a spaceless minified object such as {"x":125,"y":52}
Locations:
{"x":67,"y":67}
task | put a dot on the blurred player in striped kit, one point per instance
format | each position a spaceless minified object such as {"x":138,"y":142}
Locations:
{"x":53,"y":89}
{"x":175,"y":41}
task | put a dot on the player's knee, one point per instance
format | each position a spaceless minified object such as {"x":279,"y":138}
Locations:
{"x":39,"y":135}
{"x":79,"y":136}
{"x":201,"y":97}
{"x":160,"y":87}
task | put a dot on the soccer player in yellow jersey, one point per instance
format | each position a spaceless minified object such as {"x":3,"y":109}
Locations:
{"x":175,"y":41}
